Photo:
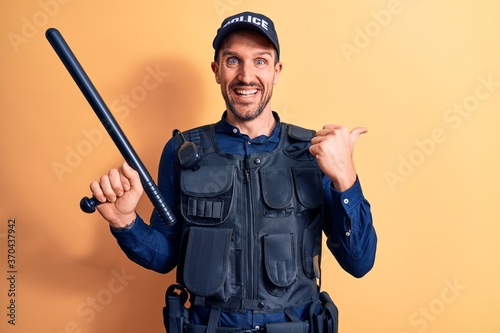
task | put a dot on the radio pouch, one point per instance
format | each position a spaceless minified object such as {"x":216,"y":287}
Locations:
{"x":175,"y":313}
{"x":324,"y":315}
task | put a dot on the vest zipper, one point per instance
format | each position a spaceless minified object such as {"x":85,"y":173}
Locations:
{"x":250,"y":257}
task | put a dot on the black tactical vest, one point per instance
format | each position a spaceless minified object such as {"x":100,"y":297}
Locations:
{"x":252,"y":226}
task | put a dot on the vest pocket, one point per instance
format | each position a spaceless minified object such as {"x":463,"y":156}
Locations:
{"x":277,"y":191}
{"x":311,"y":245}
{"x":309,"y":186}
{"x":207,"y":194}
{"x":280,"y":259}
{"x":207,"y":262}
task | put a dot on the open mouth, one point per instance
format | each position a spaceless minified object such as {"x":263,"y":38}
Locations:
{"x":246,"y":92}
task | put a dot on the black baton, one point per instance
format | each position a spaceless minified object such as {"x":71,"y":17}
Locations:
{"x":102,"y":111}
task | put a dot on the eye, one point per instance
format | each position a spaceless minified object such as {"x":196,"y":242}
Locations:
{"x":232,"y":61}
{"x":260,"y":62}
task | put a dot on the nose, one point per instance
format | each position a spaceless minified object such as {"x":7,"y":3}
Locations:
{"x":245,"y":74}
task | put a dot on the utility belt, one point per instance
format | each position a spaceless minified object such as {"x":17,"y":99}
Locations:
{"x":288,"y":327}
{"x":322,"y":318}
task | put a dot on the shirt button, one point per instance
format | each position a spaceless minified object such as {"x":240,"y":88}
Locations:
{"x":235,"y":130}
{"x":348,"y":233}
{"x":346,"y":201}
{"x":257,"y":161}
{"x":261,"y":305}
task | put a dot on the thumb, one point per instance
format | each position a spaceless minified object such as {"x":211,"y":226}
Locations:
{"x":356,"y":132}
{"x":131,"y":175}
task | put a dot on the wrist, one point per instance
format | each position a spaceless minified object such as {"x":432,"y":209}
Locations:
{"x":124,"y":223}
{"x":343,"y":184}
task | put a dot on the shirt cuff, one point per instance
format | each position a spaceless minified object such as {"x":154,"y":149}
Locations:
{"x":130,"y":234}
{"x":350,"y":198}
{"x":125,"y":228}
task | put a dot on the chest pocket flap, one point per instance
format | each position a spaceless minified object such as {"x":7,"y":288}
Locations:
{"x":208,"y":181}
{"x":207,"y":193}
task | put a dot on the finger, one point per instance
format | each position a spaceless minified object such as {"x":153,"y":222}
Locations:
{"x":95,"y":187}
{"x":327,"y":129}
{"x":124,"y":180}
{"x":131,"y":175}
{"x":356,"y":132}
{"x":107,"y":189}
{"x":321,"y":132}
{"x":312,"y":149}
{"x":331,"y":129}
{"x":317,"y":139}
{"x":115,"y":180}
{"x":332,"y":126}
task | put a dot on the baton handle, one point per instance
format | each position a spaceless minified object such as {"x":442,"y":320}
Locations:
{"x":115,"y":132}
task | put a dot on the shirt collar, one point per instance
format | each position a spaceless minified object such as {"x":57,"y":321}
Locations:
{"x":223,"y":127}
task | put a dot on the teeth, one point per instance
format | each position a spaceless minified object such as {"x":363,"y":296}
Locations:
{"x":246,"y":92}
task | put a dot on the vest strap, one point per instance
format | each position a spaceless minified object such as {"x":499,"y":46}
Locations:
{"x":213,"y":320}
{"x":232,"y":303}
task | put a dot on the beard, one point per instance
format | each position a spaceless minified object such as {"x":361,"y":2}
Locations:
{"x":246,"y":111}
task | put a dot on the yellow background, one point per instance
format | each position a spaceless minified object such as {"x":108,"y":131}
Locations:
{"x":423,"y":76}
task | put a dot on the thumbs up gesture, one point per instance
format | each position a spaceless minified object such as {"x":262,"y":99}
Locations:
{"x":333,"y":148}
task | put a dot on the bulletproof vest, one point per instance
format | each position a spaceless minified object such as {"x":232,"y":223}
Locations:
{"x":251,"y":225}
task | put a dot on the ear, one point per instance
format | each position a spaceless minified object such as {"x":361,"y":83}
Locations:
{"x":215,"y":69}
{"x":277,"y":71}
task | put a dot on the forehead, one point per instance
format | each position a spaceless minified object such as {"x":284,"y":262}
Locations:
{"x":246,"y":39}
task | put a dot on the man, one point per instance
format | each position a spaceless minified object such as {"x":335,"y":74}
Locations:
{"x":252,"y":209}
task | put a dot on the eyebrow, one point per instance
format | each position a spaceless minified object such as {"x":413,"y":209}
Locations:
{"x":260,"y":53}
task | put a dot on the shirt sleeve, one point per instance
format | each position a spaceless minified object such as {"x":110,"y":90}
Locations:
{"x":348,"y":227}
{"x":154,"y":245}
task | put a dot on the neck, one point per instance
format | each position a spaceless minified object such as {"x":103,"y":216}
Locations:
{"x":262,"y":125}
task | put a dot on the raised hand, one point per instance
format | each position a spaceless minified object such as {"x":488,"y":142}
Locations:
{"x":333,"y":148}
{"x":119,"y":191}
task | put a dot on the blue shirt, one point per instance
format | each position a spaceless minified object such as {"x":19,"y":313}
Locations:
{"x":351,"y":237}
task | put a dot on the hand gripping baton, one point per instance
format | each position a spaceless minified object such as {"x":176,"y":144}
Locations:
{"x":89,"y":91}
